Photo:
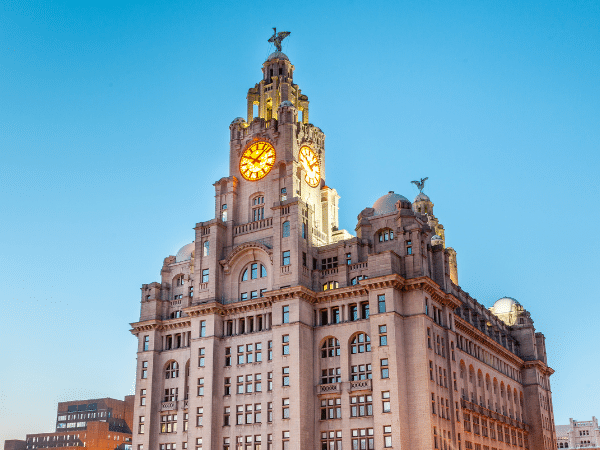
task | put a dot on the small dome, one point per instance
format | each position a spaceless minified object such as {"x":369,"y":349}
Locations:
{"x":286,"y":103}
{"x":185,"y":252}
{"x":277,"y":55}
{"x":387,"y":203}
{"x":505,"y":305}
{"x":436,"y":240}
{"x":422,"y":198}
{"x":238,"y":120}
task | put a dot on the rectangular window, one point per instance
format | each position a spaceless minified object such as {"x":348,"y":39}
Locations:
{"x":200,"y":386}
{"x":364,"y":310}
{"x":385,"y":373}
{"x":270,"y":412}
{"x":168,"y":423}
{"x":385,"y":401}
{"x":202,"y":328}
{"x":387,"y":436}
{"x":205,"y":275}
{"x":227,"y":387}
{"x":258,"y":352}
{"x":142,"y":398}
{"x":353,"y":312}
{"x":240,"y":384}
{"x":201,"y":353}
{"x":286,"y":314}
{"x":286,"y":344}
{"x":199,"y":416}
{"x":361,"y":372}
{"x":144,"y":369}
{"x":141,"y":424}
{"x":361,"y":406}
{"x":249,"y":414}
{"x":331,"y":408}
{"x":270,"y":350}
{"x":285,"y":441}
{"x":348,"y":258}
{"x":382,"y":335}
{"x":241,"y":358}
{"x":257,"y":382}
{"x":257,"y":413}
{"x":228,"y":356}
{"x":335,"y":315}
{"x":270,"y":381}
{"x":285,"y":261}
{"x":381,"y":303}
{"x":332,"y":375}
{"x":303,"y":259}
{"x":285,"y":376}
{"x":249,"y":384}
{"x":285,"y":409}
{"x":363,"y":439}
{"x":331,"y":440}
{"x":146,"y":343}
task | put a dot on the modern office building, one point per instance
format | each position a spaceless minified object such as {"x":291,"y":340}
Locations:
{"x":578,"y":434}
{"x":274,"y":329}
{"x":98,"y":424}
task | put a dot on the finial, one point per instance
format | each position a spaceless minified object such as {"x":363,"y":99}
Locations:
{"x":420,"y":184}
{"x":278,"y":37}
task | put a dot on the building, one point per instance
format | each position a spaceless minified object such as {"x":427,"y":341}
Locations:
{"x":274,"y":329}
{"x":578,"y":434}
{"x":99,"y":424}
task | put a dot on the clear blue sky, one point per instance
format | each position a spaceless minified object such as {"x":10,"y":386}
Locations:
{"x":114,"y":124}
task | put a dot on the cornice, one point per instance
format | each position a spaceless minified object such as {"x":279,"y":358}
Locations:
{"x":477,"y":335}
{"x":160,"y":325}
{"x":292,"y":292}
{"x":341,"y":293}
{"x":546,"y":370}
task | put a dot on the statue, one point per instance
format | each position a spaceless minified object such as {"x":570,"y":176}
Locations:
{"x":420,"y":184}
{"x":278,"y":37}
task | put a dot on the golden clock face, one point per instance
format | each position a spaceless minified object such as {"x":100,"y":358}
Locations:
{"x":310,"y":162}
{"x":257,"y":160}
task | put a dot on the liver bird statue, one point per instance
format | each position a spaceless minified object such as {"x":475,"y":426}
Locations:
{"x":420,"y":184}
{"x":278,"y":37}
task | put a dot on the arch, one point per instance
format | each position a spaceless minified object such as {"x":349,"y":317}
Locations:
{"x":360,"y":343}
{"x":171,"y":369}
{"x":471,"y":374}
{"x":330,"y":347}
{"x":488,"y":382}
{"x":285,"y":229}
{"x":178,"y":280}
{"x":479,"y":378}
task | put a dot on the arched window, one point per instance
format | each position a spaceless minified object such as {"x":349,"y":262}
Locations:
{"x":245,"y":275}
{"x":206,"y":248}
{"x":285,"y":229}
{"x":361,"y":343}
{"x":172,"y":370}
{"x":355,"y":280}
{"x":224,"y":213}
{"x":253,"y":272}
{"x":330,"y":348}
{"x":386,"y":235}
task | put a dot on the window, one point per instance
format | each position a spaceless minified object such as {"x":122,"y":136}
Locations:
{"x":331,"y":440}
{"x":329,"y":376}
{"x":171,"y":395}
{"x":240,"y":384}
{"x":257,"y":382}
{"x":355,"y":280}
{"x":201,"y":353}
{"x":226,"y":443}
{"x":227,"y":387}
{"x":141,"y":424}
{"x":168,"y":423}
{"x":179,"y":281}
{"x":142,"y":399}
{"x":385,"y":373}
{"x":200,"y":386}
{"x":285,"y":409}
{"x":205,"y":275}
{"x":361,"y":372}
{"x":270,"y":412}
{"x":330,"y":348}
{"x":198,"y":443}
{"x":257,"y":413}
{"x":286,"y":344}
{"x":329,"y":263}
{"x":330,"y":285}
{"x":363,"y":439}
{"x":361,"y":343}
{"x":258,"y":352}
{"x":286,"y":314}
{"x":382,"y":335}
{"x":258,"y":208}
{"x":202,"y":328}
{"x":353,"y":312}
{"x":146,"y":343}
{"x":304,"y":228}
{"x":239,"y":416}
{"x":270,"y":350}
{"x":285,"y":258}
{"x":228,"y":356}
{"x":249,"y":384}
{"x":285,"y":441}
{"x":144,"y":369}
{"x":285,"y":376}
{"x":385,"y":402}
{"x":248,"y":414}
{"x":335,"y":315}
{"x":387,"y":436}
{"x":191,"y":291}
{"x":283,"y":194}
{"x":285,"y":229}
{"x":172,"y":370}
{"x":331,"y":408}
{"x":361,"y":405}
{"x":224,"y":213}
{"x":408,"y":247}
{"x":381,"y":303}
{"x":206,"y":248}
{"x":270,"y":381}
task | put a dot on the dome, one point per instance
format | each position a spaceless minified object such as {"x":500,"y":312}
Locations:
{"x":238,"y":120}
{"x":185,"y":252}
{"x":505,"y":305}
{"x":422,"y":198}
{"x":286,"y":103}
{"x":387,"y":203}
{"x":436,"y":240}
{"x":277,"y":55}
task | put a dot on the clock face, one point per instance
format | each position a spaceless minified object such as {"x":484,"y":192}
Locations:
{"x":257,"y":160}
{"x":310,"y":162}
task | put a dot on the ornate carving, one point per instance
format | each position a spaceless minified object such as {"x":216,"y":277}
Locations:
{"x":278,"y":37}
{"x":420,"y":184}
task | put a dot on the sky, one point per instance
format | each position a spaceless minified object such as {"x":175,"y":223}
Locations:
{"x":114,"y":124}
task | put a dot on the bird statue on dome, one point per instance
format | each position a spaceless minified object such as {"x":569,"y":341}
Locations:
{"x":278,"y":37}
{"x":420,"y":184}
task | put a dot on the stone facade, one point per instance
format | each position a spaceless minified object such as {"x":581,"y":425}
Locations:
{"x":274,"y":329}
{"x":578,"y":434}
